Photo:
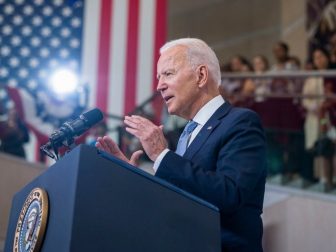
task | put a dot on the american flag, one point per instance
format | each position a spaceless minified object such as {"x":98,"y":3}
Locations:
{"x":37,"y":38}
{"x":112,"y":45}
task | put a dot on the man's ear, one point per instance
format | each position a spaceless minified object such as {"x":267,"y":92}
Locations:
{"x":202,"y":75}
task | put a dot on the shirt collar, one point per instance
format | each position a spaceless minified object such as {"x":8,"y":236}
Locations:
{"x":204,"y":114}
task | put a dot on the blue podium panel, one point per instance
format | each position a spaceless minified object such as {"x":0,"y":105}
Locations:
{"x":100,"y":203}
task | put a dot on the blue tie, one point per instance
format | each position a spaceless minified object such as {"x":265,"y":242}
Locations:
{"x":185,"y":137}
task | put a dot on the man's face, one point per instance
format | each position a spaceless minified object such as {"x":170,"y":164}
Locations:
{"x":320,"y":60}
{"x":178,"y":82}
{"x":279,"y":52}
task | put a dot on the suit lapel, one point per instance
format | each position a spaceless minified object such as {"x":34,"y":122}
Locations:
{"x":206,"y":130}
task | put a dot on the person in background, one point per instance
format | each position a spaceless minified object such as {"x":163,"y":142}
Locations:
{"x":287,"y":120}
{"x":221,"y":154}
{"x":295,"y":62}
{"x":258,"y":87}
{"x":235,"y":88}
{"x":239,"y":64}
{"x":281,"y":56}
{"x":14,"y":134}
{"x":332,"y":50}
{"x":317,"y":120}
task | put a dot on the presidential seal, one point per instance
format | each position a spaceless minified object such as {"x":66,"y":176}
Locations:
{"x":32,"y":222}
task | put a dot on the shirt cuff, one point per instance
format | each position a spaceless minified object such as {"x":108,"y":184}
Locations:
{"x":159,"y":159}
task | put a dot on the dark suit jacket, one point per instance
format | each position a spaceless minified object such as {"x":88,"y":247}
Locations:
{"x":226,"y":165}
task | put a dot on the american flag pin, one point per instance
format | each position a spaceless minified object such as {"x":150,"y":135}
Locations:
{"x":209,"y":128}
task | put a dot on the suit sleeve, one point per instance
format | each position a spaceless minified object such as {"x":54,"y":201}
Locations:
{"x":239,"y":167}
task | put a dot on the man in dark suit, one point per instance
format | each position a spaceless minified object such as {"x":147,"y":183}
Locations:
{"x":221,"y":154}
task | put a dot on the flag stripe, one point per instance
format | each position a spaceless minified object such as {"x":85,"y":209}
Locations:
{"x":131,"y":56}
{"x":90,"y":48}
{"x":160,"y":33}
{"x":117,"y":92}
{"x":104,"y":52}
{"x":145,"y":52}
{"x":160,"y":38}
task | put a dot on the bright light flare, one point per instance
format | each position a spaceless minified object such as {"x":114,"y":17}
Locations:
{"x":63,"y":82}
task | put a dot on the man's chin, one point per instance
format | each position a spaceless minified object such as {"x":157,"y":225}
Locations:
{"x":171,"y":110}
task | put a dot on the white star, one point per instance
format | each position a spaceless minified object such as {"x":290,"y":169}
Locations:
{"x":35,"y":41}
{"x":75,"y":22}
{"x":37,"y":21}
{"x":12,"y":82}
{"x":24,"y":51}
{"x":38,"y":2}
{"x":45,"y":31}
{"x":16,"y":40}
{"x":42,"y":74}
{"x":53,"y":63}
{"x":44,"y":52}
{"x":32,"y":84}
{"x":58,"y":2}
{"x":19,"y":1}
{"x":17,"y":20}
{"x":3,"y":72}
{"x":64,"y":53}
{"x":5,"y":51}
{"x":7,"y":29}
{"x":66,"y":11}
{"x":26,"y":30}
{"x":23,"y":73}
{"x":14,"y":61}
{"x":65,"y":32}
{"x":28,"y":10}
{"x":74,"y":43}
{"x":55,"y":42}
{"x":9,"y":9}
{"x":10,"y":104}
{"x":73,"y":64}
{"x":2,"y":1}
{"x":3,"y":93}
{"x":47,"y":11}
{"x":56,"y":21}
{"x":34,"y":62}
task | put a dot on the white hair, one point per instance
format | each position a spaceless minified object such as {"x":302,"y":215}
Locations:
{"x":198,"y":52}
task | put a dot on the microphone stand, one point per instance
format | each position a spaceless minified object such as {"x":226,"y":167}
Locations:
{"x":69,"y":142}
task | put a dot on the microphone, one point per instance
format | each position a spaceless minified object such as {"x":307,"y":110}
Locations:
{"x":70,"y":129}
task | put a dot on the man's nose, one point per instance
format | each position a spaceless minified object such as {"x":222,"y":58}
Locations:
{"x":161,"y":85}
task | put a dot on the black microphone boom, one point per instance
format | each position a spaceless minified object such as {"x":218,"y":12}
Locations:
{"x":71,"y":129}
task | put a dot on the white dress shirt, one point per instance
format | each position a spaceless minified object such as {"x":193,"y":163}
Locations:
{"x":202,"y":116}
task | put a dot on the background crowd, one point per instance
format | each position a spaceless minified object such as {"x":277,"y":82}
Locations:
{"x":298,"y":112}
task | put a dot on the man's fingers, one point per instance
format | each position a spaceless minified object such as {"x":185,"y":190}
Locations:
{"x":129,"y":122}
{"x":114,"y":148}
{"x":101,"y":144}
{"x":137,"y":122}
{"x":135,"y":157}
{"x":107,"y":144}
{"x":111,"y":145}
{"x":132,"y":131}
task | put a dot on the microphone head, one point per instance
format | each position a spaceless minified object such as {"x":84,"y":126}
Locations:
{"x":93,"y":116}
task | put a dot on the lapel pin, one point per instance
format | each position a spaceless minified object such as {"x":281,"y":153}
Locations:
{"x":209,"y":128}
